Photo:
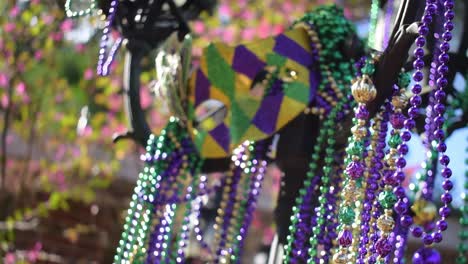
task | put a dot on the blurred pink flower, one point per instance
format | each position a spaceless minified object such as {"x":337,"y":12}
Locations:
{"x":66,"y":25}
{"x":5,"y":101}
{"x":225,"y":10}
{"x":263,"y":29}
{"x":198,"y":27}
{"x":115,"y":102}
{"x":277,"y":29}
{"x":21,"y":88}
{"x":247,"y":15}
{"x":57,"y":36}
{"x":21,"y":67}
{"x":248,"y":34}
{"x":10,"y":258}
{"x":33,"y":254}
{"x":38,"y":54}
{"x":229,"y":34}
{"x":3,"y":80}
{"x":80,"y":48}
{"x":14,"y":11}
{"x":9,"y":27}
{"x":145,"y":97}
{"x":88,"y":74}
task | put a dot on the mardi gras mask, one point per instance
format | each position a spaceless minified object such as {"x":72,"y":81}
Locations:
{"x":245,"y":92}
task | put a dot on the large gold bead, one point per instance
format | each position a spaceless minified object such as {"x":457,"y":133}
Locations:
{"x":363,"y":90}
{"x":349,"y":192}
{"x":400,"y":101}
{"x":385,"y":223}
{"x":340,"y":257}
{"x":424,"y":211}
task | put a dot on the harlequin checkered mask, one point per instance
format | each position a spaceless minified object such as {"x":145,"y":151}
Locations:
{"x":249,"y":92}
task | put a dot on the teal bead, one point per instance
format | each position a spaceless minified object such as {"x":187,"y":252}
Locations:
{"x":463,"y":248}
{"x":368,"y":69}
{"x":355,"y":148}
{"x":347,"y":215}
{"x":404,"y":79}
{"x":463,"y":235}
{"x":387,"y":199}
{"x":461,"y":260}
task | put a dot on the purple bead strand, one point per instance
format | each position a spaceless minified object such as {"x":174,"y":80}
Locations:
{"x":104,"y":61}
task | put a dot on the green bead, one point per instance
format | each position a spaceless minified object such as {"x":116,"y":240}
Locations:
{"x":368,"y":69}
{"x":395,"y":141}
{"x":464,"y":221}
{"x":463,"y":248}
{"x":404,"y":79}
{"x":355,"y":148}
{"x":461,"y":260}
{"x":347,"y":215}
{"x":387,"y":199}
{"x":463,"y":235}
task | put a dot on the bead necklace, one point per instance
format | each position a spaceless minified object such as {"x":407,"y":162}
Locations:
{"x":363,"y":92}
{"x":105,"y":60}
{"x":84,"y":12}
{"x":320,"y":25}
{"x":374,"y":16}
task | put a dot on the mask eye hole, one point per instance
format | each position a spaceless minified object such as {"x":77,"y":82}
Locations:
{"x":209,"y":114}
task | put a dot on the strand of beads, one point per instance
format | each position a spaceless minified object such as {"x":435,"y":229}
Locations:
{"x":84,"y":12}
{"x":105,"y":60}
{"x":463,"y":245}
{"x":363,"y":92}
{"x":257,"y":171}
{"x":374,"y":16}
{"x":372,"y":175}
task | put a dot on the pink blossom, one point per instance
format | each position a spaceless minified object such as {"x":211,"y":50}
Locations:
{"x":3,"y":80}
{"x":5,"y":102}
{"x":115,"y":102}
{"x":80,"y":48}
{"x":9,"y":27}
{"x":38,"y":54}
{"x":229,"y":34}
{"x":263,"y":29}
{"x":198,"y":27}
{"x":225,"y":10}
{"x":56,"y":36}
{"x":21,"y":88}
{"x":247,"y":15}
{"x":278,"y":29}
{"x":14,"y":11}
{"x":66,"y":25}
{"x":10,"y":258}
{"x":21,"y":67}
{"x":145,"y":97}
{"x":248,"y":34}
{"x":88,"y":74}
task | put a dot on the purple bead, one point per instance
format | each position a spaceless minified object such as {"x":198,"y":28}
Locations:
{"x":399,"y":175}
{"x":440,"y":95}
{"x":431,"y":8}
{"x":418,"y":64}
{"x":363,"y":251}
{"x":446,"y":172}
{"x":439,"y":109}
{"x":444,"y":57}
{"x":437,"y":237}
{"x":447,"y":36}
{"x":401,"y":162}
{"x":449,"y":15}
{"x":397,"y":120}
{"x":418,"y":76}
{"x":443,"y":69}
{"x":447,"y":185}
{"x":419,"y":53}
{"x":427,"y":255}
{"x":345,"y":238}
{"x":416,"y":100}
{"x":400,"y":207}
{"x":417,"y":231}
{"x":427,"y":19}
{"x":441,"y":147}
{"x":423,"y":30}
{"x":406,"y":221}
{"x":445,"y":46}
{"x":410,"y":124}
{"x":439,"y":121}
{"x":444,"y":211}
{"x":355,"y":169}
{"x":420,"y":41}
{"x":428,"y":240}
{"x":444,"y":160}
{"x":383,"y":247}
{"x":442,"y":225}
{"x":403,"y":148}
{"x":446,"y":198}
{"x":405,"y":136}
{"x":449,"y":4}
{"x":399,"y":192}
{"x":442,"y":82}
{"x":362,"y":113}
{"x":417,"y":88}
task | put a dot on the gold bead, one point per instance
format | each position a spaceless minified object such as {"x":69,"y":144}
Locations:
{"x":340,"y":257}
{"x":385,"y":223}
{"x":363,"y":90}
{"x":349,"y":192}
{"x":400,"y":101}
{"x":424,"y":211}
